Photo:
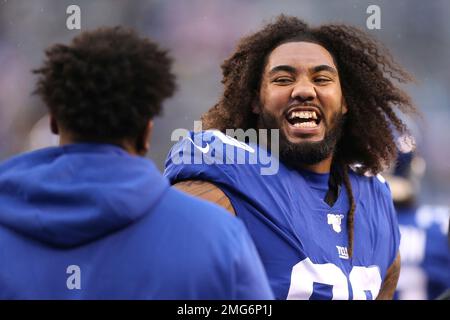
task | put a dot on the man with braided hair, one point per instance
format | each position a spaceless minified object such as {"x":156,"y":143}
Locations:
{"x":324,"y":223}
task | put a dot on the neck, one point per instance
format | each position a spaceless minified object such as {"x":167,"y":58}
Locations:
{"x":65,"y":139}
{"x":323,"y":166}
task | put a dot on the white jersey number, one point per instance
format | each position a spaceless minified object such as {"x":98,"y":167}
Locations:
{"x":362,"y":280}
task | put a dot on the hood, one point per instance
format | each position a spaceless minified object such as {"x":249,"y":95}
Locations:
{"x":70,"y":195}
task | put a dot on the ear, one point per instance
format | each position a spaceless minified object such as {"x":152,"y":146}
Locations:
{"x":256,"y":109}
{"x":143,"y":142}
{"x":53,"y":125}
{"x":344,"y":106}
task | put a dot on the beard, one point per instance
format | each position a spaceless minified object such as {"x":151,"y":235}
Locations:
{"x":295,"y":154}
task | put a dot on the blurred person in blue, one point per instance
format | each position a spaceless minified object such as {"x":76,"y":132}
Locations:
{"x":424,"y":245}
{"x":93,"y":218}
{"x":323,"y":220}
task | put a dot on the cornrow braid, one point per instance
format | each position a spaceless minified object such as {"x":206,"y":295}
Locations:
{"x":351,"y":211}
{"x":339,"y":174}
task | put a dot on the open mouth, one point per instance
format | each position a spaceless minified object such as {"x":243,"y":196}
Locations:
{"x":304,"y":117}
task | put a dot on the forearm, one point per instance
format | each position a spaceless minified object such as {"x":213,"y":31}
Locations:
{"x":390,"y":281}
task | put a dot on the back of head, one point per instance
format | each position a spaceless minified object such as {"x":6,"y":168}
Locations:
{"x":106,"y":84}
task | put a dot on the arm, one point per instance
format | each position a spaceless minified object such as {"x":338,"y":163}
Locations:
{"x":390,"y":281}
{"x":206,"y":191}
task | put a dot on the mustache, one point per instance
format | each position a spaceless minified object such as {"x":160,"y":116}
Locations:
{"x":303,"y":104}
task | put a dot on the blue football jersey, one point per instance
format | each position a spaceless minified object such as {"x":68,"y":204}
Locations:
{"x":302,"y":241}
{"x":425,"y":252}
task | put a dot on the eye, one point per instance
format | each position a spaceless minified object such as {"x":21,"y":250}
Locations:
{"x":322,"y":80}
{"x":282,"y":80}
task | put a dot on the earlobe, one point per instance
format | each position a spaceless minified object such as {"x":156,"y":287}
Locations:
{"x":53,"y":125}
{"x":255,"y":107}
{"x":344,"y":106}
{"x":149,"y":130}
{"x":143,"y":143}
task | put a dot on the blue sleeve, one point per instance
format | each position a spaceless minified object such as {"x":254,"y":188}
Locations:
{"x":203,"y":156}
{"x":252,"y":282}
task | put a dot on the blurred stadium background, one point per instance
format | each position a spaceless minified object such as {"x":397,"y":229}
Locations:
{"x":200,"y":34}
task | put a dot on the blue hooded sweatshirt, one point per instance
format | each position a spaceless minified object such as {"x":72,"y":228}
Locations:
{"x":90,"y":221}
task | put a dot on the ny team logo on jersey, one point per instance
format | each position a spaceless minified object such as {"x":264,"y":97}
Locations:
{"x":342,"y":252}
{"x":335,"y":220}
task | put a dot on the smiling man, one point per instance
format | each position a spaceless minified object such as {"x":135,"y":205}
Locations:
{"x":324,"y":224}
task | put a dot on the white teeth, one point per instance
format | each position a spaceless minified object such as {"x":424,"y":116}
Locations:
{"x":303,"y":115}
{"x":309,"y":124}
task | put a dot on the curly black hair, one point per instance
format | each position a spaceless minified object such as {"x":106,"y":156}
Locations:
{"x":366,"y":72}
{"x":106,"y":84}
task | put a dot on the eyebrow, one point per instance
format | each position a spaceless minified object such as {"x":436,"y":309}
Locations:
{"x":290,"y":69}
{"x":324,"y":67}
{"x":286,"y":68}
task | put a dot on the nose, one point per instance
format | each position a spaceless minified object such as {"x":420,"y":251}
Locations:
{"x":304,"y":91}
